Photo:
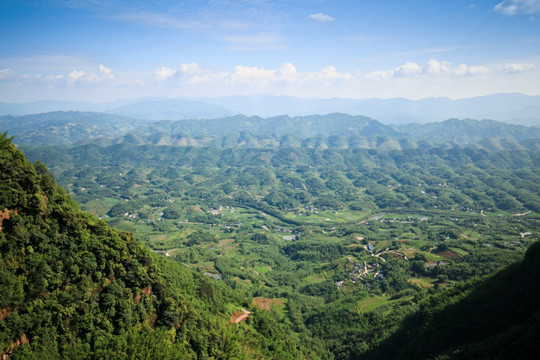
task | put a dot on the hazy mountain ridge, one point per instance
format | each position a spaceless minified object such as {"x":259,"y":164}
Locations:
{"x":172,"y":109}
{"x":65,"y":128}
{"x":508,"y":107}
{"x":314,"y":131}
{"x":468,"y":131}
{"x":44,"y":106}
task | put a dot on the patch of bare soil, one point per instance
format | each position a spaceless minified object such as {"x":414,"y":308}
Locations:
{"x":448,"y":254}
{"x":4,"y":313}
{"x":240,"y":315}
{"x":14,"y":345}
{"x":5,"y":215}
{"x":266,"y":303}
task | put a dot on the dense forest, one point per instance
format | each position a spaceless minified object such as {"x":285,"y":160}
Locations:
{"x":366,"y":242}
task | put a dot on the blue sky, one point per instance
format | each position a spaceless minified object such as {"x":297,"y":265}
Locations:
{"x":105,"y":50}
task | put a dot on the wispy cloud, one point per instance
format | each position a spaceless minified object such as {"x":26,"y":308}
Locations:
{"x":104,"y":74}
{"x":157,"y":20}
{"x":517,"y":7}
{"x":321,"y":17}
{"x":364,"y":38}
{"x":517,"y":68}
{"x":6,"y":73}
{"x":260,"y":41}
{"x":216,"y":15}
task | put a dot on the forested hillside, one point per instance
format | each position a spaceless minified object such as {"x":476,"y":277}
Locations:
{"x":72,"y":287}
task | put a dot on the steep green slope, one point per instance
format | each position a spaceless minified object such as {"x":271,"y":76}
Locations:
{"x":491,"y":318}
{"x":72,"y":287}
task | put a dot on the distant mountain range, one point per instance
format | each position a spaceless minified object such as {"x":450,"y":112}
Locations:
{"x":66,"y":127}
{"x":336,"y":130}
{"x":511,"y":108}
{"x":170,"y":109}
{"x":467,"y":131}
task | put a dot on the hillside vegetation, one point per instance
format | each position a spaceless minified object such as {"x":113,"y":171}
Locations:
{"x":72,"y":287}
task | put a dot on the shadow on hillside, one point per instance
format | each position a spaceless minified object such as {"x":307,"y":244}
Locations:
{"x":496,"y":318}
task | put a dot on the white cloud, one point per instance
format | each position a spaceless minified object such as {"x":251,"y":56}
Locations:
{"x":409,"y":79}
{"x":190,"y":69}
{"x":6,"y":73}
{"x":464,"y":70}
{"x":194,"y":74}
{"x":328,"y":74}
{"x":287,"y":72}
{"x":252,"y":75}
{"x":190,"y":73}
{"x":435,"y":67}
{"x":163,"y":73}
{"x":517,"y":68}
{"x":321,"y":17}
{"x":380,"y":75}
{"x":76,"y":75}
{"x":516,"y":7}
{"x":432,"y":69}
{"x":105,"y":72}
{"x":85,"y":77}
{"x":409,"y":69}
